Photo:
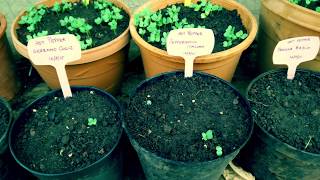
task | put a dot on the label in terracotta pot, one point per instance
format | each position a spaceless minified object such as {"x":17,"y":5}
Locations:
{"x":56,"y":51}
{"x":294,"y":51}
{"x":190,"y":43}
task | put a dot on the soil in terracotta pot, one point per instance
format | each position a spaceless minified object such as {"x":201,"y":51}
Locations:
{"x":218,"y":21}
{"x":58,"y":138}
{"x":313,"y":5}
{"x":289,"y":109}
{"x":100,"y":34}
{"x":4,"y":115}
{"x":168,"y":118}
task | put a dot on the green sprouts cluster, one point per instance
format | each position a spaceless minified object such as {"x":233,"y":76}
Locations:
{"x":33,"y":17}
{"x":109,"y":14}
{"x":78,"y":26}
{"x":206,"y":7}
{"x":306,"y":3}
{"x":209,"y":136}
{"x":63,"y":7}
{"x":148,"y":23}
{"x":230,"y":36}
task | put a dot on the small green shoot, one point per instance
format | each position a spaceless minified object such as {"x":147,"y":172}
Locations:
{"x":92,"y":121}
{"x":85,"y":2}
{"x":231,"y":36}
{"x":207,"y":135}
{"x":219,"y":151}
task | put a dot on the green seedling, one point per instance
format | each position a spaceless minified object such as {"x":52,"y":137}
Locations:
{"x":230,"y":36}
{"x":33,"y":17}
{"x":39,"y":34}
{"x":56,"y":7}
{"x":85,"y":2}
{"x":66,"y":6}
{"x":164,"y":38}
{"x":219,"y":151}
{"x":92,"y":121}
{"x":207,"y":135}
{"x":318,"y":9}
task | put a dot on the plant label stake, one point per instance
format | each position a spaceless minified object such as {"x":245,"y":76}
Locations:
{"x":294,"y":51}
{"x":56,"y":51}
{"x":190,"y":43}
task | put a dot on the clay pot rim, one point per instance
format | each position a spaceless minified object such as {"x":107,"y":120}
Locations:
{"x":3,"y":25}
{"x":125,"y":33}
{"x":299,"y":9}
{"x":201,"y":59}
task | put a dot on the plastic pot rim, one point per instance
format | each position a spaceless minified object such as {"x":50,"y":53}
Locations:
{"x":263,"y":130}
{"x":106,"y":94}
{"x":201,"y":59}
{"x":6,"y":104}
{"x":125,"y":33}
{"x":192,"y":163}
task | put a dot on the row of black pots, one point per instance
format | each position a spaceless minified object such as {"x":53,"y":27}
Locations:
{"x":282,"y":158}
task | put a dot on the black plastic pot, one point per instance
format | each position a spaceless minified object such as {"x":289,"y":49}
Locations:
{"x":108,"y":167}
{"x":4,"y":137}
{"x":269,"y":158}
{"x":156,"y":167}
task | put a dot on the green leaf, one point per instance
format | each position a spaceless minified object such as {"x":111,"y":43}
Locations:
{"x":98,"y":20}
{"x":92,"y":121}
{"x":318,"y":9}
{"x":142,"y":31}
{"x":203,"y":15}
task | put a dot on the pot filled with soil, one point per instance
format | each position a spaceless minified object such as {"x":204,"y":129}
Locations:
{"x":101,"y":26}
{"x":187,"y":128}
{"x":73,"y":138}
{"x":286,"y":142}
{"x":5,"y":121}
{"x":9,"y":85}
{"x":234,"y":28}
{"x":283,"y":19}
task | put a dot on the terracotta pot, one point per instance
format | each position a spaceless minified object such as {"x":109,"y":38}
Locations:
{"x":221,"y":64}
{"x":279,"y":19}
{"x":101,"y":66}
{"x":8,"y":83}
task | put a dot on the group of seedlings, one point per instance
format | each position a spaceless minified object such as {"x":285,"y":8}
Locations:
{"x":108,"y":15}
{"x":154,"y":27}
{"x":310,"y":4}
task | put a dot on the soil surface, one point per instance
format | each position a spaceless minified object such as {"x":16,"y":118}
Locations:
{"x":313,"y":5}
{"x":169,"y":117}
{"x":57,"y":137}
{"x":100,"y":34}
{"x":218,"y":21}
{"x":289,"y":109}
{"x":4,"y":115}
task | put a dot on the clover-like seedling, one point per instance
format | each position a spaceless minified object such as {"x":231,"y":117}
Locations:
{"x":85,"y":2}
{"x":219,"y":151}
{"x":66,"y":6}
{"x":56,"y":7}
{"x":230,"y":36}
{"x":318,"y":9}
{"x":207,"y":135}
{"x":92,"y":121}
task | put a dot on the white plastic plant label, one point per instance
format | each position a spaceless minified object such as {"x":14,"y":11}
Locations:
{"x":294,"y":51}
{"x":57,"y":51}
{"x":190,"y":43}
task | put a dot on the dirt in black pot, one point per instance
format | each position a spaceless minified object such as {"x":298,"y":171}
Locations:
{"x":289,"y":109}
{"x":100,"y":34}
{"x":61,"y":135}
{"x":4,"y":119}
{"x":169,"y":117}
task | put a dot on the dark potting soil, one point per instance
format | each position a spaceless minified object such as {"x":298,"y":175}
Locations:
{"x":4,"y":121}
{"x":218,"y":21}
{"x":169,"y":117}
{"x":289,"y":109}
{"x":100,"y":34}
{"x":313,"y":5}
{"x":57,"y":138}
